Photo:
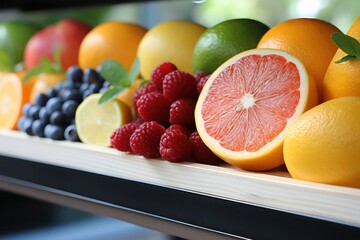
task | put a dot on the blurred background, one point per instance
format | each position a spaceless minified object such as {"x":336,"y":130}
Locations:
{"x":207,"y":12}
{"x":39,"y":220}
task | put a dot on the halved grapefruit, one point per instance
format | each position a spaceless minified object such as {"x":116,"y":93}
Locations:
{"x":247,"y":104}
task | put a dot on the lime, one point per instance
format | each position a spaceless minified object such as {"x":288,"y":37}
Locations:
{"x":224,"y":40}
{"x":96,"y":122}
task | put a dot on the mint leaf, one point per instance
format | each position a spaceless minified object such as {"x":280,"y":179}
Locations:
{"x":348,"y":44}
{"x":33,"y":72}
{"x":346,"y":58}
{"x":110,"y":94}
{"x":134,"y":71}
{"x":112,"y":71}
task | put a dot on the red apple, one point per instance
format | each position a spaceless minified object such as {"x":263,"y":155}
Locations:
{"x":66,"y":34}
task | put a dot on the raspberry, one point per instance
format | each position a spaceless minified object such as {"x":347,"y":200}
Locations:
{"x":201,"y":83}
{"x":201,"y":153}
{"x":154,"y":107}
{"x":198,"y":75}
{"x":146,"y":139}
{"x":182,"y":112}
{"x":181,"y":128}
{"x":144,"y":89}
{"x":120,"y":138}
{"x":178,"y":84}
{"x":159,"y":73}
{"x":175,"y":146}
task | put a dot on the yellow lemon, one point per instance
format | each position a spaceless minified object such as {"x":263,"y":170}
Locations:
{"x":96,"y":122}
{"x":323,"y":145}
{"x":170,"y":41}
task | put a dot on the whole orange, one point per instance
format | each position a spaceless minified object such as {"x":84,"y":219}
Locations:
{"x":343,"y":79}
{"x":111,"y":41}
{"x":308,"y":39}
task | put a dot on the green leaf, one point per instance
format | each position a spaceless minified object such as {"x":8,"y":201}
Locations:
{"x":346,"y":58}
{"x":112,"y":71}
{"x":134,"y":71}
{"x":348,"y":44}
{"x":110,"y":94}
{"x":33,"y":72}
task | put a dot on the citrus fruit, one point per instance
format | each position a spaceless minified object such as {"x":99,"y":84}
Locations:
{"x":343,"y":79}
{"x":169,"y":41}
{"x":44,"y":82}
{"x":247,"y":104}
{"x":13,"y":95}
{"x":323,"y":145}
{"x":95,"y":123}
{"x":111,"y":41}
{"x":13,"y":39}
{"x":225,"y":39}
{"x":307,"y":39}
{"x":127,"y":95}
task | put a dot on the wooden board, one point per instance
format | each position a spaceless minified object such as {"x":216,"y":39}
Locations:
{"x":273,"y":189}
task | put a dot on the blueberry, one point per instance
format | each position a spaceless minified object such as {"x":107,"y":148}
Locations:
{"x":25,"y":109}
{"x":54,"y":132}
{"x":106,"y":84}
{"x":95,"y":86}
{"x":20,"y":123}
{"x":84,"y":87}
{"x":91,"y":76}
{"x":102,"y":90}
{"x":33,"y":112}
{"x":37,"y":128}
{"x":71,"y":94}
{"x":74,"y":74}
{"x":69,"y":108}
{"x":58,"y":118}
{"x":44,"y":115}
{"x":53,"y":104}
{"x":51,"y":93}
{"x":88,"y":92}
{"x":41,"y":99}
{"x":26,"y":126}
{"x":70,"y":133}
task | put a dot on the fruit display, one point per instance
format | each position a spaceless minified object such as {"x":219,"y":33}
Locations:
{"x":247,"y":104}
{"x":169,"y":41}
{"x":111,"y":41}
{"x":14,"y":95}
{"x":239,"y":93}
{"x":65,"y":35}
{"x":312,"y":154}
{"x":307,"y":39}
{"x":52,"y":114}
{"x":13,"y":39}
{"x":224,"y":40}
{"x":342,"y":79}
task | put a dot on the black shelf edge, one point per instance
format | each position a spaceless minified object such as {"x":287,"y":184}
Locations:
{"x":198,"y":210}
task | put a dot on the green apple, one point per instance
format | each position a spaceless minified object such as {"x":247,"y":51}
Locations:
{"x":14,"y":36}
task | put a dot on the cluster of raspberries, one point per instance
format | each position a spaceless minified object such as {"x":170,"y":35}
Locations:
{"x":166,"y":127}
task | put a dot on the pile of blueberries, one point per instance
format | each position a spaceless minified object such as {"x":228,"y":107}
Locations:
{"x":52,"y":114}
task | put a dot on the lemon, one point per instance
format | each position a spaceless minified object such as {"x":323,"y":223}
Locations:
{"x":169,"y":41}
{"x":323,"y":145}
{"x":95,"y":123}
{"x":224,"y":40}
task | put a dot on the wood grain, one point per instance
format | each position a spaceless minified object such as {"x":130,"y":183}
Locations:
{"x":273,"y":189}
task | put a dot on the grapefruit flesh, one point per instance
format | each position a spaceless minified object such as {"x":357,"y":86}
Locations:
{"x":247,"y":104}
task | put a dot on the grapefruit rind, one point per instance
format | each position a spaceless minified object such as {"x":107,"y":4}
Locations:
{"x":270,"y":155}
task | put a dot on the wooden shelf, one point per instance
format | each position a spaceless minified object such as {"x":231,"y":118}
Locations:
{"x":213,"y":199}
